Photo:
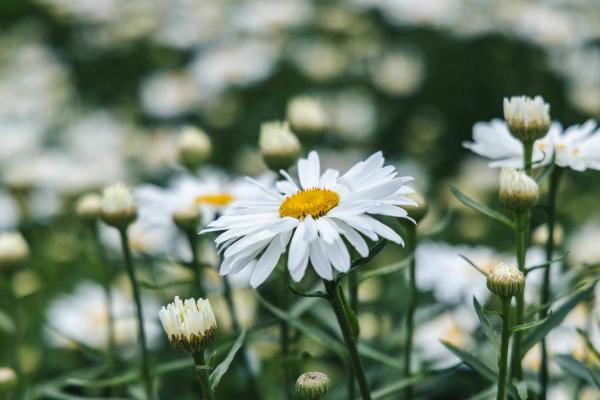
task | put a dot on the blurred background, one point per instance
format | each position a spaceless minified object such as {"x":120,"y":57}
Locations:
{"x":96,"y":91}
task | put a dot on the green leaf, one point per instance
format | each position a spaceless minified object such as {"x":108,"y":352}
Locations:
{"x":394,"y":388}
{"x":352,"y":319}
{"x":440,"y":227}
{"x":386,"y":270}
{"x":223,"y":367}
{"x":474,"y":362}
{"x":486,"y":326}
{"x":547,"y":263}
{"x":578,"y":369}
{"x":482,"y":208}
{"x":472,"y":264}
{"x":554,"y":319}
{"x":486,"y":394}
{"x":526,"y":326}
{"x":152,"y":286}
{"x":522,"y":390}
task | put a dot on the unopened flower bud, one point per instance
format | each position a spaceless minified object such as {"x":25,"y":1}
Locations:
{"x":313,"y":385}
{"x":518,"y":191}
{"x":279,"y":147}
{"x":8,"y":379}
{"x":14,"y":250}
{"x":307,"y":117}
{"x":505,"y":280}
{"x":89,"y":207}
{"x":190,"y":325}
{"x":118,"y":207}
{"x":528,"y":119}
{"x":186,"y":218}
{"x":194,"y":148}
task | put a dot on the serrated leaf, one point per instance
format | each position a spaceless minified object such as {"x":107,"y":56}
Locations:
{"x":578,"y":369}
{"x":486,"y":326}
{"x":221,"y":369}
{"x":555,"y":318}
{"x":474,"y":362}
{"x":482,"y":208}
{"x":526,"y":326}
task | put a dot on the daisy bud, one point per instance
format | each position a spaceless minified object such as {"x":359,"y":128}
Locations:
{"x":505,"y":280}
{"x":279,"y":147}
{"x":194,"y":148}
{"x":14,"y":250}
{"x":190,"y":325}
{"x":118,"y":208}
{"x":306,"y":116}
{"x":518,"y":191}
{"x":8,"y":379}
{"x":313,"y":385}
{"x":527,"y":118}
{"x":186,"y":218}
{"x":89,"y":207}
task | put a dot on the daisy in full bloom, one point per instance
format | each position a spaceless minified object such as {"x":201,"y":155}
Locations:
{"x":576,"y":147}
{"x":312,"y":216}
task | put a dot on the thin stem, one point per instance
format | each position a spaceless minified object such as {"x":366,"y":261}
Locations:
{"x":335,"y":300}
{"x":522,"y":220}
{"x":202,"y":372}
{"x":410,"y":312}
{"x":193,"y":242}
{"x":353,"y":295}
{"x":503,"y":359}
{"x":140,"y":316}
{"x":284,"y":334}
{"x":16,"y":306}
{"x":545,"y":292}
{"x":527,"y":157}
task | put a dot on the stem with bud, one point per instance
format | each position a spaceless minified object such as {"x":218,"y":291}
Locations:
{"x":334,"y":298}
{"x":503,"y":359}
{"x":140,"y":317}
{"x":410,"y":312}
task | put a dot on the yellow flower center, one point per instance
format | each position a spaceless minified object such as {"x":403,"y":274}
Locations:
{"x":314,"y":202}
{"x":219,"y":200}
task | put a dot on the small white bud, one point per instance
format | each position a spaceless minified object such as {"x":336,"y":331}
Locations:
{"x":307,"y":117}
{"x":313,"y":385}
{"x":186,"y":218}
{"x":505,"y":280}
{"x":518,"y":191}
{"x":527,"y":118}
{"x":194,"y":147}
{"x":190,"y":325}
{"x":8,"y":379}
{"x":14,"y":250}
{"x":89,"y":206}
{"x":279,"y":147}
{"x":118,"y":207}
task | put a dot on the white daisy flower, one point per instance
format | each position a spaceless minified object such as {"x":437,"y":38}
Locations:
{"x":576,"y":147}
{"x":312,"y":216}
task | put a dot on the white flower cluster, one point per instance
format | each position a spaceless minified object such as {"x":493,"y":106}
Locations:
{"x":189,"y":324}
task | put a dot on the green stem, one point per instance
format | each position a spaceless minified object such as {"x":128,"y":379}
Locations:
{"x":353,"y":295}
{"x":522,"y":223}
{"x":140,"y":316}
{"x":545,"y":292}
{"x":503,"y":359}
{"x":528,"y":157}
{"x":410,"y":312}
{"x":284,"y":334}
{"x":202,"y":372}
{"x":193,"y":242}
{"x":16,"y":345}
{"x":333,"y":295}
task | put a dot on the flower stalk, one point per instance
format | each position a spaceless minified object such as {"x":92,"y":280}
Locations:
{"x":202,"y":372}
{"x":139,"y":313}
{"x":503,"y":359}
{"x":334,"y":298}
{"x":410,"y":312}
{"x":192,"y":238}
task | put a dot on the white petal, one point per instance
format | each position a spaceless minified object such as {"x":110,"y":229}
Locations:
{"x":319,"y":260}
{"x":310,"y":227}
{"x":327,"y":231}
{"x":266,"y":264}
{"x":298,"y":248}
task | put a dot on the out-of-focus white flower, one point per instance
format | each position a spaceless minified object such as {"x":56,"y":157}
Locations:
{"x":271,"y":16}
{"x":8,"y":379}
{"x":83,"y":317}
{"x":89,"y":206}
{"x":518,"y":191}
{"x":14,"y":250}
{"x":583,"y":245}
{"x":306,"y":116}
{"x":118,"y":207}
{"x":312,"y":217}
{"x":319,"y":59}
{"x":194,"y":147}
{"x":575,"y":148}
{"x":352,"y":114}
{"x":168,"y":94}
{"x":280,"y":148}
{"x":190,"y":325}
{"x":398,"y":73}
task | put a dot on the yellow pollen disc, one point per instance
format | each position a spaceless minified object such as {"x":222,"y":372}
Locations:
{"x":214,"y":199}
{"x":575,"y":151}
{"x":314,"y":202}
{"x":541,"y":146}
{"x":560,"y":146}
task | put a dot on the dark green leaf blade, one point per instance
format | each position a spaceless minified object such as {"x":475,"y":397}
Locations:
{"x":223,"y":367}
{"x":482,"y":208}
{"x":578,"y":369}
{"x":486,"y":325}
